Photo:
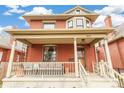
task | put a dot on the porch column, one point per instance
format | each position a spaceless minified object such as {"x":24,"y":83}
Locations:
{"x":75,"y":57}
{"x":11,"y":59}
{"x":107,"y":53}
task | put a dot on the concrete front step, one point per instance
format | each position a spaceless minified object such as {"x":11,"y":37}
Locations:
{"x":94,"y":81}
{"x":42,"y":83}
{"x":97,"y":81}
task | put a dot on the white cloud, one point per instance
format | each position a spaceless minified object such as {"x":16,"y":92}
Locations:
{"x":116,"y":13}
{"x":39,"y":11}
{"x":24,"y":5}
{"x":2,"y":28}
{"x":13,"y":10}
{"x":21,"y":18}
{"x":7,"y":13}
{"x":12,"y":6}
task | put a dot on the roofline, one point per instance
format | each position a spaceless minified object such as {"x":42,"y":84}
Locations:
{"x":60,"y":15}
{"x":92,"y":17}
{"x":122,"y":36}
{"x":59,"y":31}
{"x":80,"y":8}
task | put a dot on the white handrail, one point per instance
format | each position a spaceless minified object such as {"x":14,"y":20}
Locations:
{"x":104,"y":70}
{"x":83,"y":74}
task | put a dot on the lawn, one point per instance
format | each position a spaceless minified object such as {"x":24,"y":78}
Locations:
{"x":0,"y":84}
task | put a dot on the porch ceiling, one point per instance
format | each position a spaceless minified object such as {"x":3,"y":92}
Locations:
{"x":58,"y":41}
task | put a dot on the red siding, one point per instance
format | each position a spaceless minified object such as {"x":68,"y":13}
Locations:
{"x":60,"y":24}
{"x":101,"y":54}
{"x":6,"y":55}
{"x":37,"y":24}
{"x":64,"y":53}
{"x":117,"y":53}
{"x":35,"y":53}
{"x":90,"y":57}
{"x":116,"y":49}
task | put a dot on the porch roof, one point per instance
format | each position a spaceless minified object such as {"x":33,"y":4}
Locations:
{"x":59,"y":31}
{"x":59,"y":36}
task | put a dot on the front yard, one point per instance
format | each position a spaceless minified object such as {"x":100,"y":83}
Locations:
{"x":0,"y":84}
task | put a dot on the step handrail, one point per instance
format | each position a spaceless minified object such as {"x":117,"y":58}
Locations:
{"x":105,"y":70}
{"x":115,"y":75}
{"x":83,"y":73}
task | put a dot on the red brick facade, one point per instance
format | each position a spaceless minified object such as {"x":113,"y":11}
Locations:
{"x":64,"y":53}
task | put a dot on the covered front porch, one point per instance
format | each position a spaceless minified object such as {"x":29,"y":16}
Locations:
{"x":58,"y":55}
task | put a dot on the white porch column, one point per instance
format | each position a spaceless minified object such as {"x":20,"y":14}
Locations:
{"x":11,"y":59}
{"x":107,"y":53}
{"x":76,"y":57}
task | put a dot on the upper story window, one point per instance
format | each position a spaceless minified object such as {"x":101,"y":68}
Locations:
{"x":87,"y":23}
{"x":70,"y":24}
{"x":49,"y":25}
{"x":79,"y":23}
{"x":78,"y":11}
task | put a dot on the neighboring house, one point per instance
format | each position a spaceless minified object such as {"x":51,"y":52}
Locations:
{"x":5,"y":49}
{"x":60,"y":50}
{"x":116,"y":47}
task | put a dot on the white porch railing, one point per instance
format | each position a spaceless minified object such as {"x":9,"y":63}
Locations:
{"x":83,"y":74}
{"x":103,"y":69}
{"x":43,"y":69}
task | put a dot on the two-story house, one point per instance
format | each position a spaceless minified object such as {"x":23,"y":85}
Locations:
{"x":60,"y":50}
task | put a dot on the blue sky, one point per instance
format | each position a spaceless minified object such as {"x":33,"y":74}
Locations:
{"x":13,"y":19}
{"x":11,"y":15}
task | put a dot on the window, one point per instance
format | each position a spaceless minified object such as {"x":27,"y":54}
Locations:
{"x":87,"y":23}
{"x":77,"y":11}
{"x":80,"y":52}
{"x":49,"y":53}
{"x":18,"y":57}
{"x":1,"y":54}
{"x":49,"y":26}
{"x":70,"y":24}
{"x":79,"y":23}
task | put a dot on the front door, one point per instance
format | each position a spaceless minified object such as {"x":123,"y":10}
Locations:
{"x":81,"y":55}
{"x":49,"y":54}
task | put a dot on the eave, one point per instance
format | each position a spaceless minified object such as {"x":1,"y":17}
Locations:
{"x":28,"y":18}
{"x":59,"y":31}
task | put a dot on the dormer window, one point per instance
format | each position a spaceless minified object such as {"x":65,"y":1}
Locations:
{"x":49,"y":25}
{"x":77,"y":11}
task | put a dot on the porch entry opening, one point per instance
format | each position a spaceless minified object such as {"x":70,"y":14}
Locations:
{"x":81,"y":55}
{"x":49,"y":54}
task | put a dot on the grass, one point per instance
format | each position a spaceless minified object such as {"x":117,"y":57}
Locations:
{"x":0,"y":84}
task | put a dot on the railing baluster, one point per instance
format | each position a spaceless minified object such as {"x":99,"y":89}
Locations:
{"x":111,"y":73}
{"x":49,"y":69}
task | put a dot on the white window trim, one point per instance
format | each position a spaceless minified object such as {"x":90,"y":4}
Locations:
{"x":75,"y":23}
{"x":89,"y":23}
{"x":82,"y":24}
{"x":1,"y":55}
{"x":76,"y":11}
{"x":49,"y":24}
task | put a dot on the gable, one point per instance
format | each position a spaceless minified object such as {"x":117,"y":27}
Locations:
{"x":78,"y":9}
